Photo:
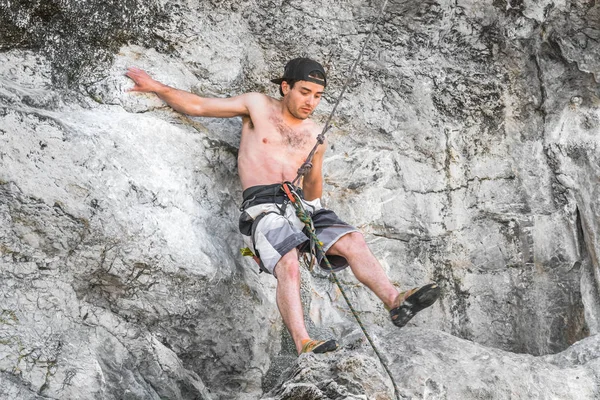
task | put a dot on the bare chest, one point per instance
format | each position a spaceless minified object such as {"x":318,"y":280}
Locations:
{"x":293,"y":139}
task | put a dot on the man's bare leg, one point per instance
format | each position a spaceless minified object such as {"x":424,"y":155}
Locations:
{"x":288,"y":299}
{"x":367,"y":270}
{"x":365,"y":266}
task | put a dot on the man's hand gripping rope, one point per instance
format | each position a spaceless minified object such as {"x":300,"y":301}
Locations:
{"x":307,"y":165}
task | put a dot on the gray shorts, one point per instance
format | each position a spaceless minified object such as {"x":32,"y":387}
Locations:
{"x":271,"y":234}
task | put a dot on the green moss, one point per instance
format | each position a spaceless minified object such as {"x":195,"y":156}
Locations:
{"x":5,"y":250}
{"x":8,"y":317}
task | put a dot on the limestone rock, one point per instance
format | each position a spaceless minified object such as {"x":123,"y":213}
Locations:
{"x":465,"y":149}
{"x":430,"y":364}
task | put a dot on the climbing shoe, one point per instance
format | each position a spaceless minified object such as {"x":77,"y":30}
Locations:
{"x":319,"y":346}
{"x":412,"y":301}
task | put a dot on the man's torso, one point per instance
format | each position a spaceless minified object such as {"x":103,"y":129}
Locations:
{"x":270,"y":150}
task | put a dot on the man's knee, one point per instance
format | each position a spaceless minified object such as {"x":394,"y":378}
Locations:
{"x":349,"y":243}
{"x":288,"y":267}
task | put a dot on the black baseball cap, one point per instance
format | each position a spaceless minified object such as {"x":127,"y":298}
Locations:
{"x":300,"y":69}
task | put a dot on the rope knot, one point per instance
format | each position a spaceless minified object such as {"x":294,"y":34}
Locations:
{"x":305,"y":168}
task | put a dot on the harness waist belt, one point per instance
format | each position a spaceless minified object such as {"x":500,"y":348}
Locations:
{"x":262,"y":194}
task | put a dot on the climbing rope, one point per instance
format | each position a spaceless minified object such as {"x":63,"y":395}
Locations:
{"x":305,"y":217}
{"x":307,"y":165}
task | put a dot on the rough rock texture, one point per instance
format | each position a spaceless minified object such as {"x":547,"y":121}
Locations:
{"x":433,"y":365}
{"x":466,"y":149}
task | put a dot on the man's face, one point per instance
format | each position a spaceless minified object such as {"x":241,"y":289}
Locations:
{"x":303,"y":98}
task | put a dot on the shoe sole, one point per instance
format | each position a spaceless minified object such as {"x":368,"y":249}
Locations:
{"x":421,"y":299}
{"x":330,"y":345}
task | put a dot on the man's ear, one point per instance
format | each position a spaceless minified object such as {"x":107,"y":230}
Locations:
{"x":285,"y":87}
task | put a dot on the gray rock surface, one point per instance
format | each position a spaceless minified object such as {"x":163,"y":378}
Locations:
{"x":433,"y":365}
{"x":466,"y":150}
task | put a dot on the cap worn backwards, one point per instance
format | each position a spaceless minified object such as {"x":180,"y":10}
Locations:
{"x":301,"y":69}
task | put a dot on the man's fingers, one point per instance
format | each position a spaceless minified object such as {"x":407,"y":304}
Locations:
{"x":142,"y":81}
{"x":135,"y":73}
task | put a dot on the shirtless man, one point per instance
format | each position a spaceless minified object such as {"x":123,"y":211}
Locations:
{"x":277,"y":136}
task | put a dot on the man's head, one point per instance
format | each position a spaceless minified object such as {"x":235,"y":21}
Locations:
{"x":302,"y":69}
{"x":301,"y":86}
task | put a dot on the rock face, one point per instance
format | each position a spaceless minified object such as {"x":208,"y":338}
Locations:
{"x":430,"y":364}
{"x":466,"y":150}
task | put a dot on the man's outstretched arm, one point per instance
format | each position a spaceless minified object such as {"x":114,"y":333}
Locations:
{"x":189,"y":103}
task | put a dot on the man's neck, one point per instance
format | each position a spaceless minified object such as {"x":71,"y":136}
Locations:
{"x":288,"y":118}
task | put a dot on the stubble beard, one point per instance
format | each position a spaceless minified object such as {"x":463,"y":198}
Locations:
{"x":296,"y":114}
